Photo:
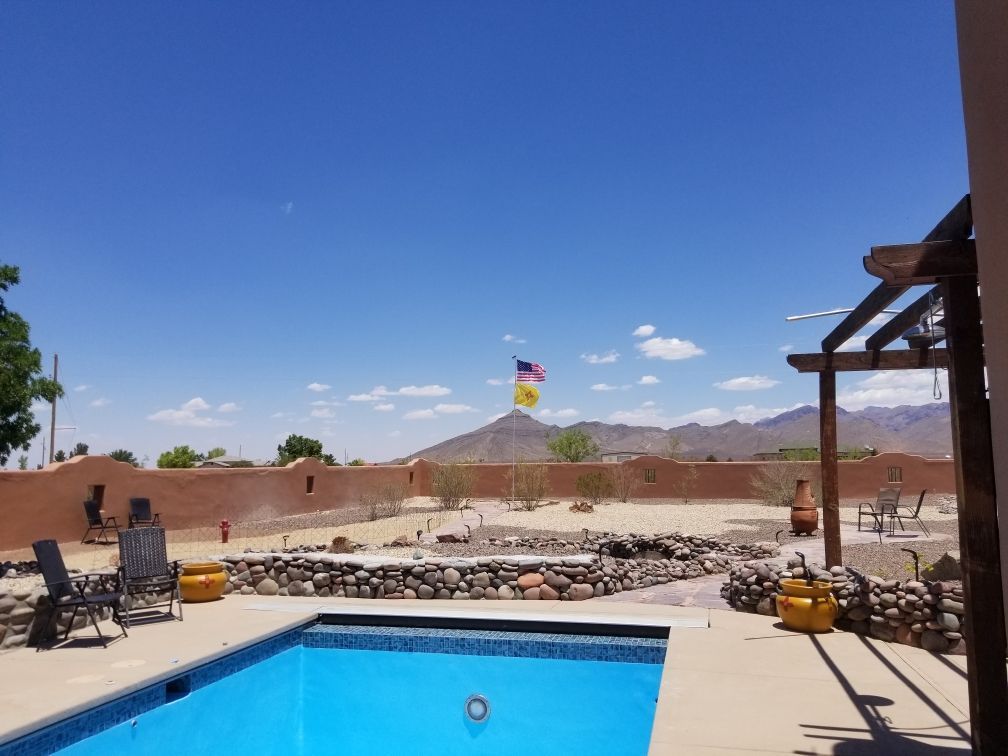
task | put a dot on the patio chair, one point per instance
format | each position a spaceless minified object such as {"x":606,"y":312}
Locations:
{"x":144,"y":569}
{"x":899,"y":513}
{"x":92,"y":510}
{"x":66,"y":592}
{"x":884,"y":505}
{"x":140,"y":514}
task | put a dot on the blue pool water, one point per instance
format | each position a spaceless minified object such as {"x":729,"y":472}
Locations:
{"x":356,"y":700}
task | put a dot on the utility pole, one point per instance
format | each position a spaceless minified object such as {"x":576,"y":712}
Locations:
{"x":52,"y":422}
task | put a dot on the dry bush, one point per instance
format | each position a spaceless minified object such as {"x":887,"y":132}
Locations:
{"x":452,"y":484}
{"x":596,"y":487}
{"x":625,"y":482}
{"x":393,"y":499}
{"x":687,"y":482}
{"x":340,"y":545}
{"x":371,"y":503}
{"x":530,"y":481}
{"x":775,"y":482}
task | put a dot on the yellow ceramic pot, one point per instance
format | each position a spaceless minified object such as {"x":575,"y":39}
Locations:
{"x":202,"y":581}
{"x":810,"y":609}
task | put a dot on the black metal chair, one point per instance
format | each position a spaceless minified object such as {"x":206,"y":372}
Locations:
{"x":140,"y":514}
{"x":144,"y":569}
{"x":66,"y":592}
{"x":92,"y":510}
{"x":899,"y":513}
{"x":884,"y":505}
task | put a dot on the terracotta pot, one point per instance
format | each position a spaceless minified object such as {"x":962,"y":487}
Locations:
{"x":809,"y":609}
{"x":804,"y":515}
{"x":202,"y":581}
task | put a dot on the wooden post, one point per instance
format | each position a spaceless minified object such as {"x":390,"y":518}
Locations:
{"x":978,"y":525}
{"x":828,"y":465}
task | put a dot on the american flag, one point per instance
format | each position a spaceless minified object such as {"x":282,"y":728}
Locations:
{"x":530,"y":372}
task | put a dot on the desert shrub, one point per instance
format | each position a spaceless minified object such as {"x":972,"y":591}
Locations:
{"x":625,"y":482}
{"x":686,"y":482}
{"x":530,"y":481}
{"x":452,"y":484}
{"x":774,"y":482}
{"x":371,"y":503}
{"x":340,"y":545}
{"x":393,"y":499}
{"x":596,"y":487}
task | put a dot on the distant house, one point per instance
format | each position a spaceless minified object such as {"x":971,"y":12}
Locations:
{"x":229,"y":460}
{"x":622,"y":456}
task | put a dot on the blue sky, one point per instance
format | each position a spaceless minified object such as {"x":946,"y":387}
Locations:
{"x":219,"y":208}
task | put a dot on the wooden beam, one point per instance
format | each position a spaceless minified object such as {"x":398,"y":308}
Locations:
{"x":957,"y":224}
{"x":847,"y":362}
{"x":881,"y":297}
{"x":900,"y":323}
{"x":978,"y":522}
{"x":902,"y":265}
{"x":828,"y":466}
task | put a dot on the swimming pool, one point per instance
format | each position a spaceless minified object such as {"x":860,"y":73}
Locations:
{"x":387,"y":690}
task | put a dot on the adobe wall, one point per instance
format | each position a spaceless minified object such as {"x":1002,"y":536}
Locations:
{"x":47,"y":503}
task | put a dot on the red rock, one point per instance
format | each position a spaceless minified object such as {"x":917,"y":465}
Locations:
{"x":530,"y":580}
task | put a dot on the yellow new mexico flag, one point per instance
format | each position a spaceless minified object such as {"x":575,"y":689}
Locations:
{"x":526,"y":395}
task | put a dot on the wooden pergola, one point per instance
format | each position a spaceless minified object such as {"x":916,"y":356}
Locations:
{"x":945,"y":260}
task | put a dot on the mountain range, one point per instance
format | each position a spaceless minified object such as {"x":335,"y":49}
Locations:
{"x":924,"y":429}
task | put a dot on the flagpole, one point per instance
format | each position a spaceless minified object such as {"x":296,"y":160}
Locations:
{"x":514,"y":424}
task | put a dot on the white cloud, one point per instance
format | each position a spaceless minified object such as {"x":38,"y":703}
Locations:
{"x":187,"y":416}
{"x":324,"y":412}
{"x":318,"y":387}
{"x":492,"y":418}
{"x":647,"y":414}
{"x":785,"y":348}
{"x":749,"y":413}
{"x":648,"y":404}
{"x":288,"y":208}
{"x":430,"y":390}
{"x":362,"y":398}
{"x":706,"y":416}
{"x":281,"y":416}
{"x":494,"y":382}
{"x":512,"y":339}
{"x":608,"y":387}
{"x":453,"y":409}
{"x":644,"y":331}
{"x":82,"y":387}
{"x":604,"y":359}
{"x":100,"y":402}
{"x":425,"y":414}
{"x":395,"y":434}
{"x":669,"y":349}
{"x":854,"y":343}
{"x":384,"y":407}
{"x":511,"y":380}
{"x":325,"y":403}
{"x":747,"y":383}
{"x":892,"y":388}
{"x":560,"y":413}
{"x":38,"y":407}
{"x":648,"y":380}
{"x":229,"y":407}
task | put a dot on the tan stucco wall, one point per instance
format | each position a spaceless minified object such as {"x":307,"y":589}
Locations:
{"x":983,"y":68}
{"x":47,"y":503}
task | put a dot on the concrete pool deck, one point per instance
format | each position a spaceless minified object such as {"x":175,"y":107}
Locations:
{"x":732,"y":683}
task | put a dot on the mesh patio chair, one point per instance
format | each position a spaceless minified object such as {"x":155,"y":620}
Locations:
{"x":140,"y":514}
{"x":885,"y":504}
{"x":92,"y":510}
{"x":144,"y":569}
{"x":66,"y":592}
{"x":899,"y":513}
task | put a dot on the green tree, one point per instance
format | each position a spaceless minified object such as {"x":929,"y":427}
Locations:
{"x":711,"y":458}
{"x":358,"y":462}
{"x":60,"y":456}
{"x":122,"y":455}
{"x":79,"y":450}
{"x":297,"y":446}
{"x":180,"y":456}
{"x":21,"y":379}
{"x":572,"y":445}
{"x":217,"y":451}
{"x":23,"y":462}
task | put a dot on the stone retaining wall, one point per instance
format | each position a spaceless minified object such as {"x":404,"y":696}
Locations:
{"x":619,"y":563}
{"x":922,"y":614}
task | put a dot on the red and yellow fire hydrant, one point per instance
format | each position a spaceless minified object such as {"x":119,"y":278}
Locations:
{"x":225,"y":528}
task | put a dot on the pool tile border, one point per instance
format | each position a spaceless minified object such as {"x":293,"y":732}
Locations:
{"x":363,"y":637}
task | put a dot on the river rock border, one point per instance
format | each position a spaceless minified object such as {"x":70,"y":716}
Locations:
{"x":921,"y":614}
